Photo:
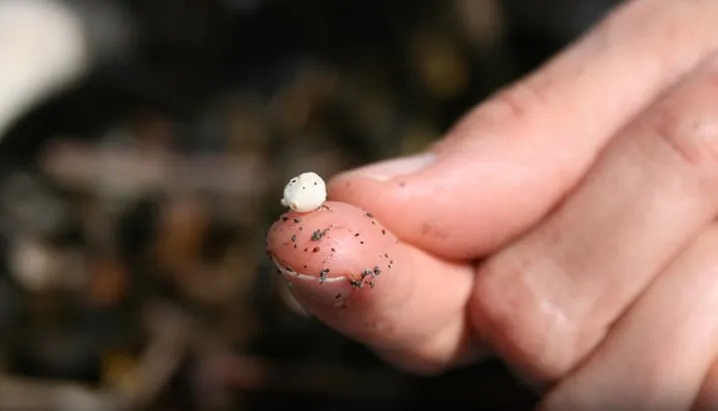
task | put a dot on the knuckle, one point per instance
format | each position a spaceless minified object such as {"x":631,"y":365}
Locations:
{"x":516,"y":103}
{"x":691,"y":133}
{"x":511,"y":309}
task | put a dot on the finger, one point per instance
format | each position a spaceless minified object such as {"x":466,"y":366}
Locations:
{"x":657,"y":355}
{"x":547,"y":300}
{"x":708,"y":395}
{"x":508,"y":162}
{"x":405,"y":304}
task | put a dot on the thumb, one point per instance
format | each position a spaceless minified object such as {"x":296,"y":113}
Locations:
{"x":511,"y":159}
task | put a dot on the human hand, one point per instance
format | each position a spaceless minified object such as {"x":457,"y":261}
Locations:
{"x":589,"y":191}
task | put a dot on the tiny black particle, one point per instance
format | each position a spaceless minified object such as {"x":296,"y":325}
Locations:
{"x":323,"y":275}
{"x":383,"y":231}
{"x":315,"y":249}
{"x":373,"y":222}
{"x":294,"y":237}
{"x":304,"y":188}
{"x":304,"y":266}
{"x":315,"y":183}
{"x":356,"y":235}
{"x":305,"y":249}
{"x":338,"y":296}
{"x":318,"y":234}
{"x":370,"y":215}
{"x":333,"y":250}
{"x":296,"y":220}
{"x":295,"y":246}
{"x":361,"y":242}
{"x":285,"y":218}
{"x":377,"y":271}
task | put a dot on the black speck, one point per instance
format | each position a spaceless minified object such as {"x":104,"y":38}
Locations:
{"x":361,"y":242}
{"x":338,"y":296}
{"x":301,"y":228}
{"x":305,"y":249}
{"x":370,"y":215}
{"x":285,"y":218}
{"x":315,"y":183}
{"x":295,"y":246}
{"x":333,"y":250}
{"x":304,"y":188}
{"x":377,"y":271}
{"x":356,"y":235}
{"x":373,"y":222}
{"x":323,"y":275}
{"x":305,"y":266}
{"x":386,"y":255}
{"x":315,"y":249}
{"x":294,"y":237}
{"x":383,"y":231}
{"x":296,"y":220}
{"x":318,"y":234}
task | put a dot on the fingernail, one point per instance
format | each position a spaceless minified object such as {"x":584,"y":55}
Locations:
{"x":389,"y":169}
{"x":326,"y":294}
{"x":332,"y":291}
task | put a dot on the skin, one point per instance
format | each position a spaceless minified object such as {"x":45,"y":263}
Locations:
{"x":566,"y":225}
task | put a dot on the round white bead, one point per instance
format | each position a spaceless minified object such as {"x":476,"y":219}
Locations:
{"x":305,"y":192}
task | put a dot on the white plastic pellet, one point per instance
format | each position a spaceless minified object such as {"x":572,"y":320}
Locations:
{"x":305,"y":192}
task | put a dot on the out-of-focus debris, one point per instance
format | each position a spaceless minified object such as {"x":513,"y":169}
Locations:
{"x":132,"y":173}
{"x":170,"y":336}
{"x":41,"y":395}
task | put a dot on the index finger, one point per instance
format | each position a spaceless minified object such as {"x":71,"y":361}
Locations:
{"x":510,"y":160}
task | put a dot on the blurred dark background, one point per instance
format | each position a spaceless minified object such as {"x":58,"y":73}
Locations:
{"x":134,"y":199}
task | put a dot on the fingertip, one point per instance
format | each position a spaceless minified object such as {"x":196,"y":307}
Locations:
{"x":331,"y":253}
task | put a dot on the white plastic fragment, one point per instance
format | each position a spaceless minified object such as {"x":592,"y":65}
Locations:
{"x":305,"y":192}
